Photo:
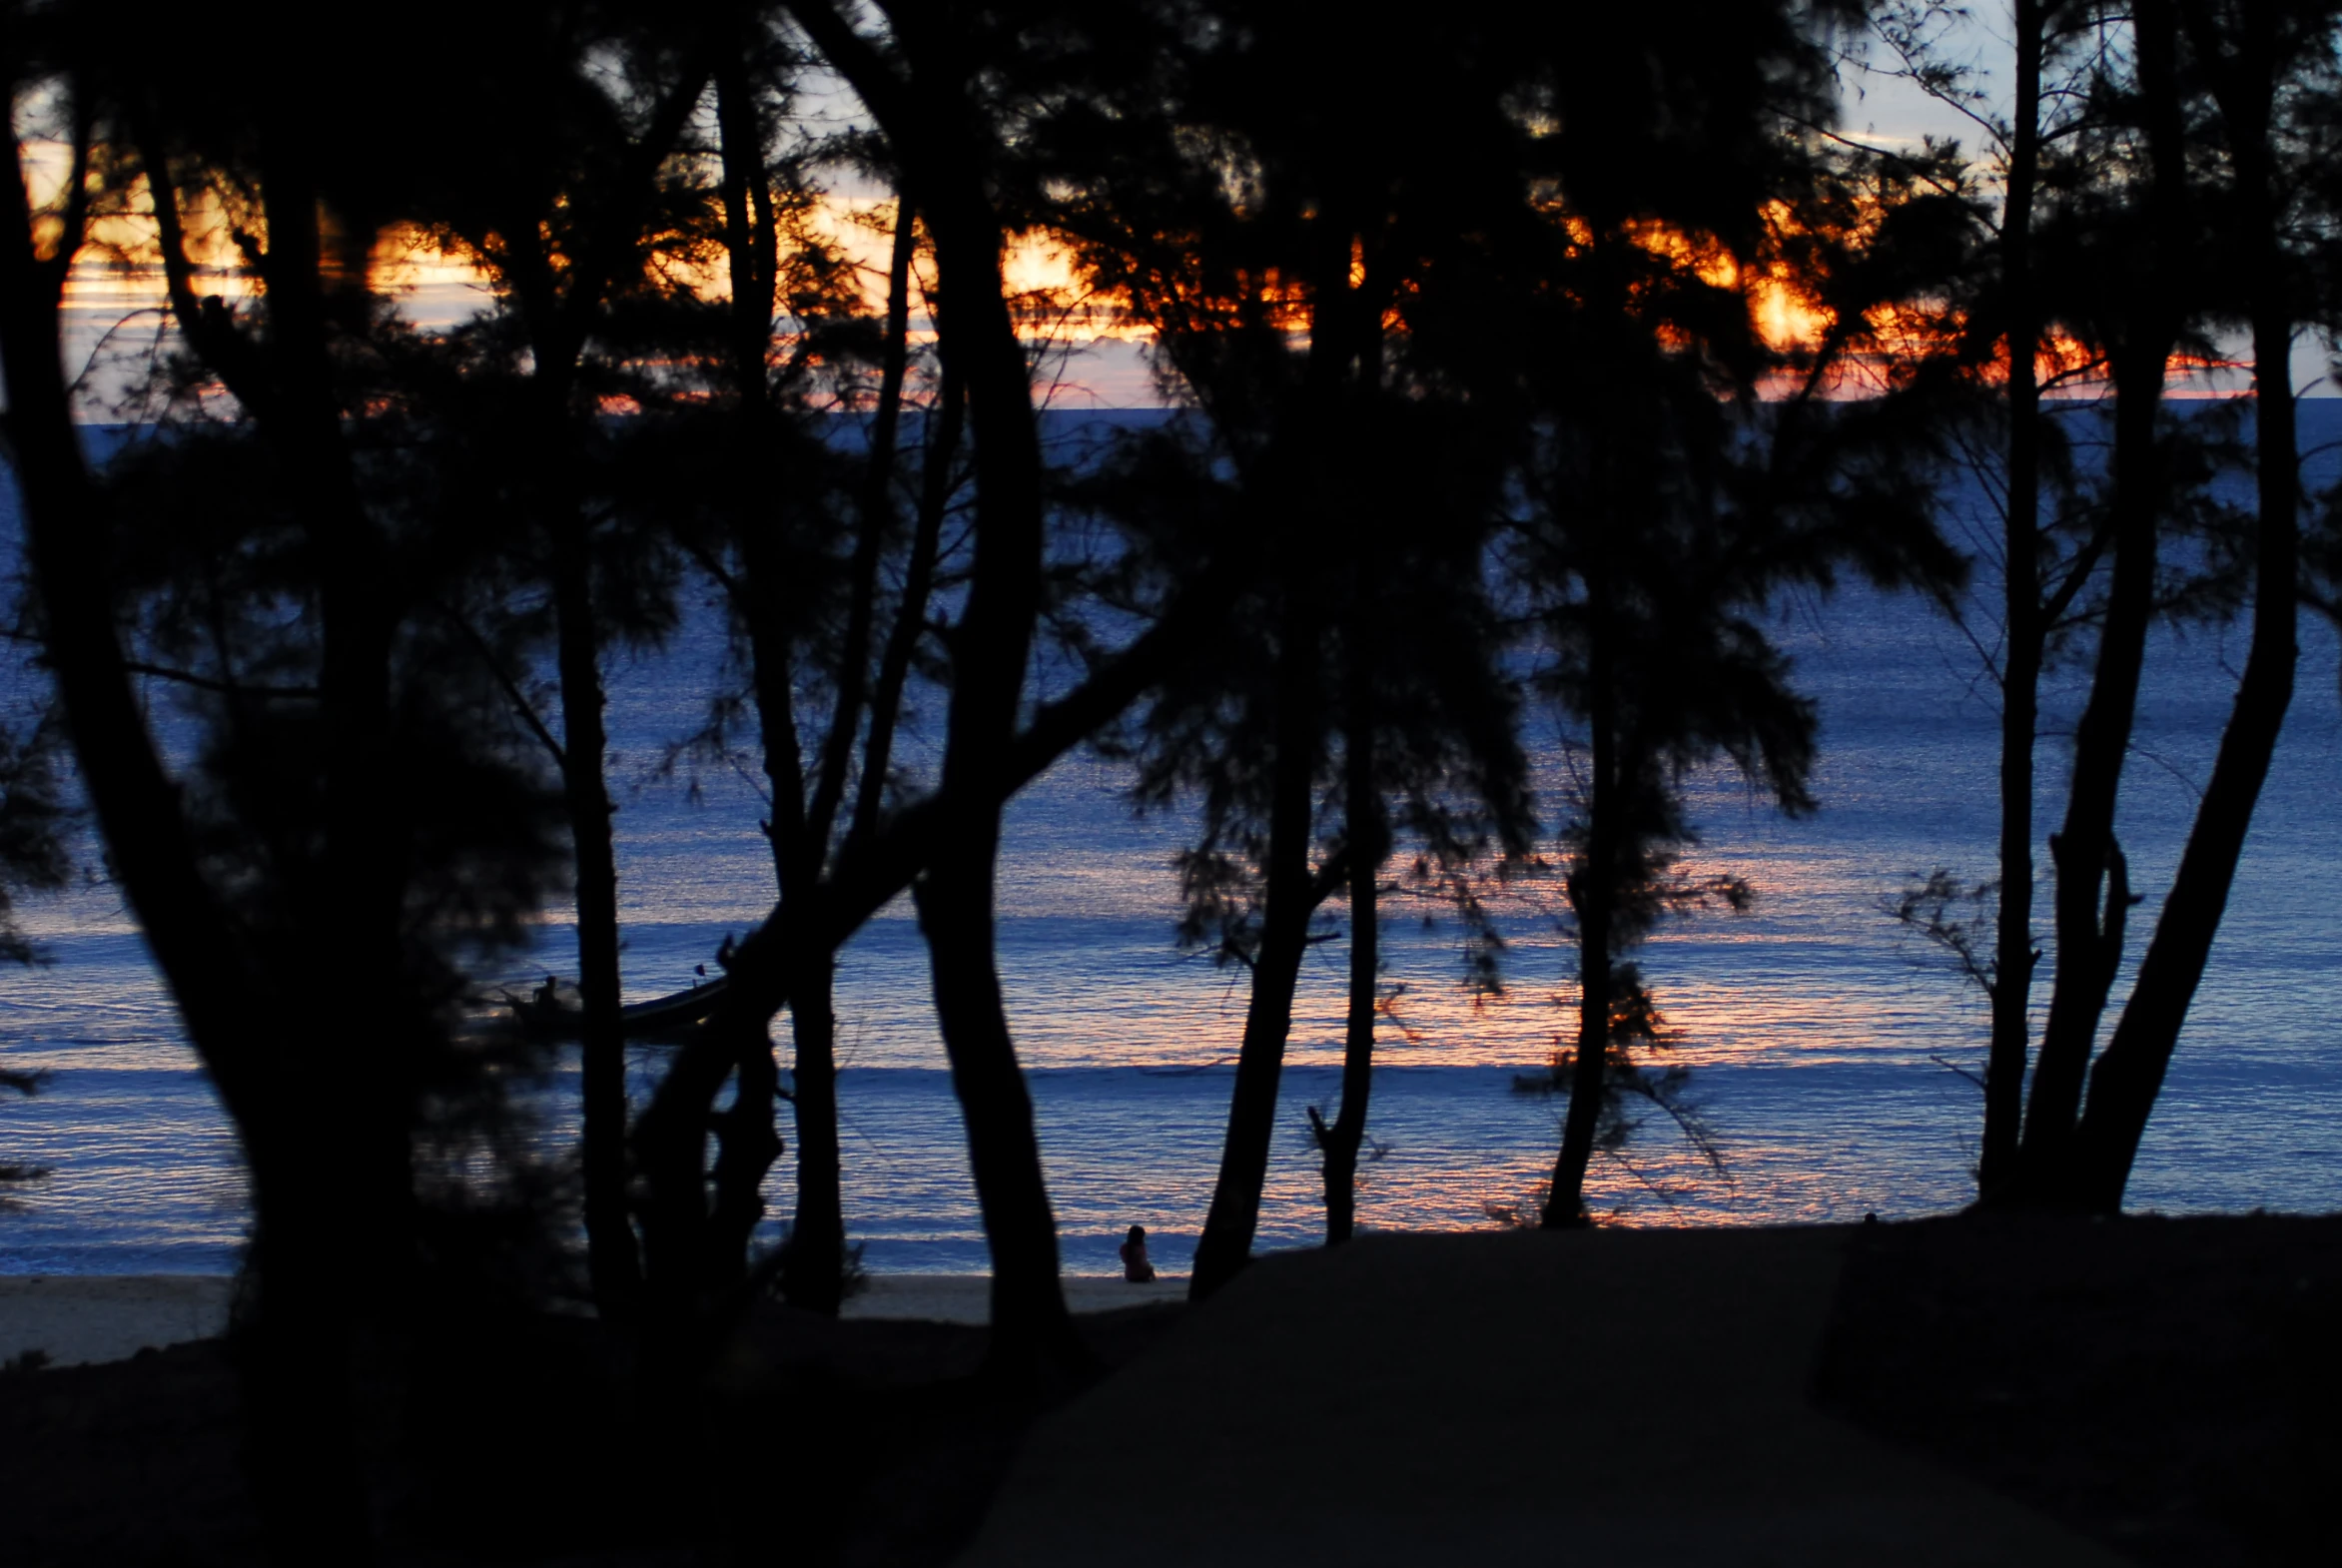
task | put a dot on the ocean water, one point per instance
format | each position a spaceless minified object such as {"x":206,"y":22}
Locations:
{"x":1825,"y":1045}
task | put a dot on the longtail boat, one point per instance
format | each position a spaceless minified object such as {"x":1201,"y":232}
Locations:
{"x":552,"y":1018}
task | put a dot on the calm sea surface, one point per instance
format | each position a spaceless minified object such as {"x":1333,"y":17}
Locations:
{"x":1823,"y":1039}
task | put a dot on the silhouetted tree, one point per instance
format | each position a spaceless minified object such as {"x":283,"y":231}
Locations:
{"x":354,"y":822}
{"x":2172,"y":194}
{"x":797,"y":528}
{"x":2143,"y":313}
{"x":2274,"y":81}
{"x":925,"y":84}
{"x":1664,"y":500}
{"x":918,"y":86}
{"x":2022,"y":615}
{"x":1428,"y":724}
{"x":1415,"y":745}
{"x":2121,"y":159}
{"x":1292,"y":255}
{"x":808,"y":801}
{"x":2008,"y":333}
{"x":562,"y":208}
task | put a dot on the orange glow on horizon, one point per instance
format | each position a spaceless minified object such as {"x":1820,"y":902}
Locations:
{"x":1055,"y":303}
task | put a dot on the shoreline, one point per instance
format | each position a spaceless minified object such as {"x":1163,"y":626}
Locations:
{"x":76,"y":1319}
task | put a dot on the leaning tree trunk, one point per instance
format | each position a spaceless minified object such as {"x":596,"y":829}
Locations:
{"x":1593,"y":894}
{"x":1031,"y":1324}
{"x":747,"y":1145}
{"x":1030,"y":1328}
{"x":1338,"y":1144}
{"x":748,"y":1142}
{"x":1229,"y":1225}
{"x":921,"y":101}
{"x":2094,"y":896}
{"x":297,"y":1383}
{"x":2092,"y":889}
{"x":2129,"y":1074}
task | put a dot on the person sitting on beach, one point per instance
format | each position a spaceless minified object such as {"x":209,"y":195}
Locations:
{"x":1136,"y":1269}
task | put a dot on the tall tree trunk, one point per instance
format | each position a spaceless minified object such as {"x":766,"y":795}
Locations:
{"x":944,"y":425}
{"x":298,"y":1386}
{"x":991,"y":648}
{"x":876,"y":522}
{"x":1235,"y":1215}
{"x":2093,"y":890}
{"x":338,"y":1301}
{"x":299,"y":1380}
{"x":1368,"y":835}
{"x":746,"y":1140}
{"x":2014,"y":952}
{"x":557,"y":327}
{"x":1030,"y":1328}
{"x":813,"y":1274}
{"x":749,"y":1146}
{"x":1593,"y":895}
{"x":924,"y":108}
{"x":2094,"y":894}
{"x":1342,"y":333}
{"x":2129,"y":1074}
{"x":612,"y":1261}
{"x":358,"y":892}
{"x":559,"y":306}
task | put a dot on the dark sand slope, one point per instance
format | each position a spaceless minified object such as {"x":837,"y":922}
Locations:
{"x":1607,"y":1397}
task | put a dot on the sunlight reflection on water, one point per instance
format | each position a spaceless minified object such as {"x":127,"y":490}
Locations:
{"x":1812,"y":1022}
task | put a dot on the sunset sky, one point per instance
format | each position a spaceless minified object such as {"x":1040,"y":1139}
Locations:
{"x":114,"y":315}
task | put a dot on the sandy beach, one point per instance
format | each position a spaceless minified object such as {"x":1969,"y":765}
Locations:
{"x":965,"y":1298}
{"x":78,"y":1318}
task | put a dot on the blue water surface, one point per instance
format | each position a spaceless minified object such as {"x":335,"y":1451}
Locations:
{"x":1827,"y":1046}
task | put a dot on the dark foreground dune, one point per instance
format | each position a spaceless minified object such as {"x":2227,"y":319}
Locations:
{"x":2173,"y":1387}
{"x":1629,"y":1397}
{"x":1946,"y":1393}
